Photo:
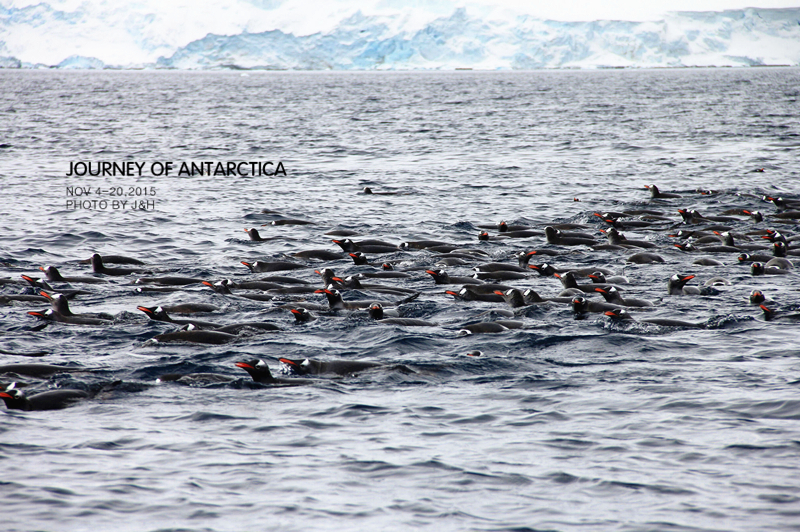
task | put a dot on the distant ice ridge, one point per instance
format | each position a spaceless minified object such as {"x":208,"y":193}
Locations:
{"x":746,"y":37}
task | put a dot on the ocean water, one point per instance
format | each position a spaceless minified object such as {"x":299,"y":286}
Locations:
{"x":562,"y":424}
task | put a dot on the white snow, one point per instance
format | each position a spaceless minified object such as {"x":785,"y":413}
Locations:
{"x":279,"y":34}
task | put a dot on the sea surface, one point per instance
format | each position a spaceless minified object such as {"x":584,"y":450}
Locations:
{"x":562,"y":424}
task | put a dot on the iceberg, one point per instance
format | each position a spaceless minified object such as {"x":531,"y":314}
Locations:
{"x":101,"y":36}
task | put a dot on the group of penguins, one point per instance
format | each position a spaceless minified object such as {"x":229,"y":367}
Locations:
{"x":767,"y":250}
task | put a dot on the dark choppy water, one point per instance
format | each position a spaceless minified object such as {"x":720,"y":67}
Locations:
{"x":562,"y":425}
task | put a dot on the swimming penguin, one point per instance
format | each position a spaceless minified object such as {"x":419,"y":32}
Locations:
{"x":486,"y":288}
{"x":52,"y":274}
{"x":758,"y":268}
{"x":699,"y":237}
{"x":757,"y":297}
{"x":746,"y":258}
{"x":613,"y":296}
{"x":8,"y":299}
{"x":254,"y":285}
{"x":116,"y":259}
{"x":465,"y":294}
{"x":504,"y":227}
{"x":256,"y":237}
{"x":524,"y":257}
{"x":387,"y":271}
{"x":781,"y":249}
{"x":774,"y":236}
{"x":684,"y":234}
{"x":581,"y":305}
{"x":568,"y":281}
{"x":317,"y":254}
{"x":499,"y":267}
{"x":274,"y":266}
{"x":51,"y":400}
{"x":302,"y":315}
{"x":676,"y":285}
{"x":755,"y":215}
{"x":34,"y":282}
{"x":425,"y":244}
{"x":309,"y":366}
{"x":359,"y":259}
{"x":365,"y":246}
{"x":599,"y":277}
{"x":645,"y":258}
{"x":447,"y":260}
{"x":499,"y":275}
{"x":369,"y":191}
{"x":99,"y":267}
{"x":483,"y":236}
{"x":520,"y":298}
{"x":706,"y":261}
{"x":657,"y":194}
{"x":514,"y":297}
{"x":728,"y":240}
{"x":145,"y":289}
{"x":189,"y":308}
{"x":484,"y":327}
{"x":556,"y":237}
{"x":223,"y":287}
{"x":694,"y":217}
{"x":622,"y":314}
{"x":782,"y":203}
{"x":443,"y":249}
{"x":779,"y":262}
{"x":442,"y":277}
{"x":329,"y":278}
{"x":613,"y":220}
{"x":545,"y":269}
{"x":787,"y":215}
{"x":159,"y":314}
{"x":60,"y":304}
{"x":772,"y":314}
{"x":260,"y":372}
{"x":52,"y":315}
{"x":618,"y":239}
{"x":691,"y":248}
{"x":336,"y":302}
{"x":353,"y":282}
{"x":377,"y":314}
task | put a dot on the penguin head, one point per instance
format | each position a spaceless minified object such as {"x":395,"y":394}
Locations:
{"x":618,"y":313}
{"x":13,"y":397}
{"x":376,"y":311}
{"x":757,"y":297}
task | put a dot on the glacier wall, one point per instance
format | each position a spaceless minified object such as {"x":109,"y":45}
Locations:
{"x":44,"y":36}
